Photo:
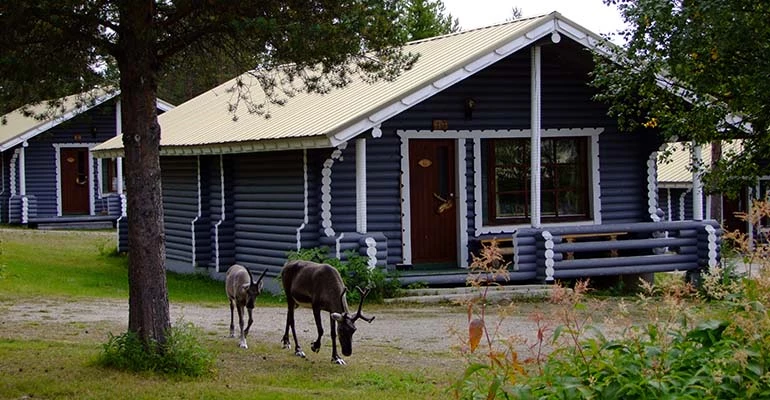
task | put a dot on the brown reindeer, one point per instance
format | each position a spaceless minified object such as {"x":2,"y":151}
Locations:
{"x":320,"y":287}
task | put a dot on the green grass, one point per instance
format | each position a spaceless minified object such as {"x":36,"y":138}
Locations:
{"x":47,"y":358}
{"x":83,"y":264}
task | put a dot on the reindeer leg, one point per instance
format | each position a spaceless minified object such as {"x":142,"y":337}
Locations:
{"x":242,"y":342}
{"x":290,"y":324}
{"x":335,"y":357}
{"x":319,"y":326}
{"x":251,"y":320}
{"x":289,"y":318}
{"x":232,"y":325}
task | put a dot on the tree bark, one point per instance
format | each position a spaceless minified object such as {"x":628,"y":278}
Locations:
{"x":148,"y":313}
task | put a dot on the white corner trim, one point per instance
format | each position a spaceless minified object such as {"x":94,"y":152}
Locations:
{"x":406,"y":206}
{"x":682,"y":215}
{"x":361,"y":198}
{"x":305,"y":218}
{"x":222,"y":214}
{"x":652,"y":186}
{"x":199,"y":200}
{"x":535,"y":125}
{"x":371,"y":252}
{"x":461,"y":200}
{"x":12,"y":172}
{"x":326,"y":190}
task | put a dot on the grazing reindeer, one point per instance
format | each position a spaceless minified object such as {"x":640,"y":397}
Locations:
{"x":241,"y":290}
{"x":320,"y":287}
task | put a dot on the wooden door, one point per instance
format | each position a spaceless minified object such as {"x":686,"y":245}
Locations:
{"x":433,"y":204}
{"x":74,"y":181}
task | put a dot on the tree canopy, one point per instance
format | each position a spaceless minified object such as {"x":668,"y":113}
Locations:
{"x":201,"y":67}
{"x":714,"y":55}
{"x":52,"y":48}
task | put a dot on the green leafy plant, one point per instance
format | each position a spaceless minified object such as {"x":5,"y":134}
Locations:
{"x":182,"y":354}
{"x":355,"y":272}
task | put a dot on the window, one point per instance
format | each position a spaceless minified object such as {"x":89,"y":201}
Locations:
{"x":109,"y":175}
{"x":564,"y":184}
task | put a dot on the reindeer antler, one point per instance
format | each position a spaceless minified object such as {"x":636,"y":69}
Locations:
{"x":360,"y":304}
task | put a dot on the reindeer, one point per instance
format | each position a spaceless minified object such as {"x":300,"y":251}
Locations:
{"x":320,"y":287}
{"x":241,"y":290}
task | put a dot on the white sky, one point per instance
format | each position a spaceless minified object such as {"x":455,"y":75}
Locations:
{"x":594,"y":15}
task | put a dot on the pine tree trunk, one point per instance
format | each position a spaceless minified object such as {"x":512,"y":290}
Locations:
{"x":148,"y":313}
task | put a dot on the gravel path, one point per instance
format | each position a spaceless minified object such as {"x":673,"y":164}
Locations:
{"x":408,"y":327}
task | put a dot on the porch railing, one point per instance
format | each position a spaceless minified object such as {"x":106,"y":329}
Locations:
{"x":620,"y":249}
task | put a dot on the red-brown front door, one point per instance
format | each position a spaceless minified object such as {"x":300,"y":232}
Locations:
{"x":433,"y":204}
{"x":74,"y":180}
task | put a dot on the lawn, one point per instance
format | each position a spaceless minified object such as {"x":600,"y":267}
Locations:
{"x":45,"y":357}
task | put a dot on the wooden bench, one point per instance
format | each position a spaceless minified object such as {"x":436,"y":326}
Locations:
{"x":612,"y":236}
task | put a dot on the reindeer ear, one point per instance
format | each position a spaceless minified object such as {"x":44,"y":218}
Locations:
{"x":337,"y":317}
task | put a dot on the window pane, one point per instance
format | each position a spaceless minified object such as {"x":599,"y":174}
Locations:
{"x":511,"y":151}
{"x":571,"y":203}
{"x":511,"y":179}
{"x":547,"y":204}
{"x":546,"y":178}
{"x":512,"y":205}
{"x":569,"y":176}
{"x":566,"y":151}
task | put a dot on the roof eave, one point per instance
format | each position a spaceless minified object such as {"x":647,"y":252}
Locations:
{"x":313,"y":142}
{"x":556,"y":24}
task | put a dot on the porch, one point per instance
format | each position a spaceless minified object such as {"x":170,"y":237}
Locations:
{"x":548,"y":254}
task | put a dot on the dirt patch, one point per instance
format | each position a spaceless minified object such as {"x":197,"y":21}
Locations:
{"x":429,"y":329}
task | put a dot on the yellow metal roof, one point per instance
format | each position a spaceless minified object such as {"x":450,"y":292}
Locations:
{"x":203,"y":125}
{"x":19,"y":127}
{"x":676,"y":171}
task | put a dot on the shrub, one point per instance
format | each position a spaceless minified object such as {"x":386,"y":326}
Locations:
{"x":182,"y":354}
{"x":683,"y":351}
{"x":355,"y":272}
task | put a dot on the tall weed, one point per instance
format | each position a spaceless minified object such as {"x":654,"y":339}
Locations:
{"x":707,"y":344}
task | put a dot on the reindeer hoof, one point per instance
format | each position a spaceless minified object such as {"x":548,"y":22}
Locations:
{"x":315,"y":347}
{"x":338,"y":361}
{"x":299,"y":353}
{"x":285,"y":346}
{"x":243,"y":345}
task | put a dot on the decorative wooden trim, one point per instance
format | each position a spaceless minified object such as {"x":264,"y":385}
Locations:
{"x":681,"y":204}
{"x":326,"y":190}
{"x":713,"y":260}
{"x":194,"y":249}
{"x":668,"y":203}
{"x":371,"y":252}
{"x":549,"y":261}
{"x":406,"y":206}
{"x":462,"y":205}
{"x":535,"y":107}
{"x":305,"y":218}
{"x":222,"y":214}
{"x":12,"y":176}
{"x":361,"y":198}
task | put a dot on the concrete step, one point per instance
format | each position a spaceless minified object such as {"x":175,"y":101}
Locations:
{"x":464,"y":294}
